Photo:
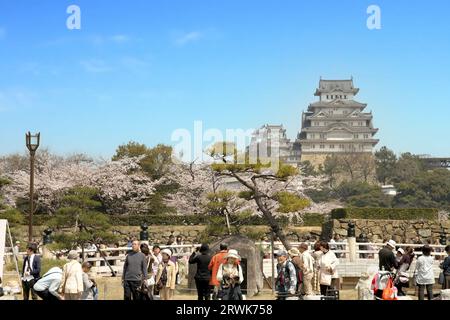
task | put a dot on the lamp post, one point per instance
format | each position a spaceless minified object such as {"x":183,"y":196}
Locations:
{"x":144,"y":233}
{"x":443,"y":237}
{"x":32,"y":142}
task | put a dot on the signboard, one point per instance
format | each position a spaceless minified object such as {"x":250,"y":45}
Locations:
{"x":2,"y":245}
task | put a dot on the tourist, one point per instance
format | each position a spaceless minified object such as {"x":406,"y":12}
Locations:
{"x":327,"y":268}
{"x":181,"y":259}
{"x":171,"y":240}
{"x":362,"y":238}
{"x":31,"y":271}
{"x":307,"y":269}
{"x":166,"y":276}
{"x":134,"y":272}
{"x":230,"y":277}
{"x":16,"y":249}
{"x":424,"y":273}
{"x":115,"y":253}
{"x":214,"y":264}
{"x":90,"y":291}
{"x":387,"y":261}
{"x":446,"y":269}
{"x":202,"y":258}
{"x":294,"y":255}
{"x":402,"y":277}
{"x":317,"y":253}
{"x":146,"y":289}
{"x":399,"y":254}
{"x":47,"y":286}
{"x":71,"y":286}
{"x":286,"y":281}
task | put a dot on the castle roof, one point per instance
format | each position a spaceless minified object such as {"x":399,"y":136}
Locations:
{"x":331,"y":86}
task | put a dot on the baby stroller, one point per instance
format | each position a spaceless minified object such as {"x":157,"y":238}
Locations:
{"x":383,"y":286}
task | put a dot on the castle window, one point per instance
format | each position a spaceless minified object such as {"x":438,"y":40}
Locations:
{"x":313,"y":146}
{"x":366,"y":136}
{"x":356,"y":136}
{"x":327,"y":97}
{"x":331,"y":146}
{"x":345,"y":97}
{"x":322,"y":146}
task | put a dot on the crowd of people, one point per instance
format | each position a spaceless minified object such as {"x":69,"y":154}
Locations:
{"x":395,"y":262}
{"x":301,"y":272}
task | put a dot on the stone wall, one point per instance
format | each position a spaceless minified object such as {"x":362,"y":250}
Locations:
{"x":160,"y":234}
{"x":403,"y":231}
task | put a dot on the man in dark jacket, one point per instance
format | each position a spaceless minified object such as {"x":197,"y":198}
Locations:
{"x":31,"y":271}
{"x":387,"y":261}
{"x":134,"y":272}
{"x":203,"y":274}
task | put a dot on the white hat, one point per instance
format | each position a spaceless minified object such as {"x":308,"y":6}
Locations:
{"x":167,"y":251}
{"x":401,"y":251}
{"x":391,"y":243}
{"x":232,"y":254}
{"x":73,"y":255}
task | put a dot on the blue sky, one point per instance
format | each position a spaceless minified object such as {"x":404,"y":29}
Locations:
{"x":138,"y":70}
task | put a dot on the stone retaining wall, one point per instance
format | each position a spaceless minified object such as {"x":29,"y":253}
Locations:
{"x":403,"y":231}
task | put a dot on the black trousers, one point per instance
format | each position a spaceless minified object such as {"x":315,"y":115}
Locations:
{"x":203,"y":289}
{"x":130,"y":290}
{"x":429,"y":288}
{"x":323,"y":289}
{"x":46,"y":295}
{"x":27,"y":288}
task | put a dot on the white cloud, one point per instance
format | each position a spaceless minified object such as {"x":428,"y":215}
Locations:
{"x":95,"y":66}
{"x":2,"y":33}
{"x":188,"y":37}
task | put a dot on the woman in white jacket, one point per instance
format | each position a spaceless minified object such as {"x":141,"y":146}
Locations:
{"x":72,"y":278}
{"x":424,"y":273}
{"x":327,"y":267}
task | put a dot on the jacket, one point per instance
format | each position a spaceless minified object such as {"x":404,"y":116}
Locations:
{"x":214,"y":265}
{"x":286,"y":277}
{"x":446,"y":266}
{"x":424,"y":270}
{"x":307,"y":263}
{"x":328,"y":260}
{"x":202,"y":260}
{"x":35,"y":266}
{"x":72,"y":278}
{"x":171,"y":274}
{"x":87,"y":294}
{"x":387,"y":259}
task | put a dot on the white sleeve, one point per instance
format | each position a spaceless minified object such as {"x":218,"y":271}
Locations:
{"x":241,"y":275}
{"x":219,"y":273}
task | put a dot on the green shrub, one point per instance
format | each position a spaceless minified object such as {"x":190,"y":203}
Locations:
{"x":385,"y":213}
{"x":313,"y":219}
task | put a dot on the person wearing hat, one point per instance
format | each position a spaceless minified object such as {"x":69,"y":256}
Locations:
{"x":387,"y":261}
{"x":294,"y":255}
{"x":286,"y":282}
{"x":71,"y":286}
{"x":230,"y":276}
{"x":134,"y":272}
{"x":202,"y":258}
{"x":31,"y":271}
{"x":166,"y":276}
{"x":307,"y":267}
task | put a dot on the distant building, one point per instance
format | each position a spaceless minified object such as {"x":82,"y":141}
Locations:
{"x":271,"y":141}
{"x":389,"y":190}
{"x":336,"y":123}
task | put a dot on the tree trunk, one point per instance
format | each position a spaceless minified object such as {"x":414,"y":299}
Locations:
{"x":273,"y":224}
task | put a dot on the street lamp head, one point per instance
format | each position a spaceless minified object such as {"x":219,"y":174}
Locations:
{"x":32,"y":141}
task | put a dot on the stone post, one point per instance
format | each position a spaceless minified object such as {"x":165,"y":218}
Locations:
{"x":351,"y":240}
{"x":46,"y":254}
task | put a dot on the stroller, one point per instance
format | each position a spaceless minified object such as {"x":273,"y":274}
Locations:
{"x":383,"y":286}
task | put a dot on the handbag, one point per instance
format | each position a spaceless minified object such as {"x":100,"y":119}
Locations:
{"x":390,"y":292}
